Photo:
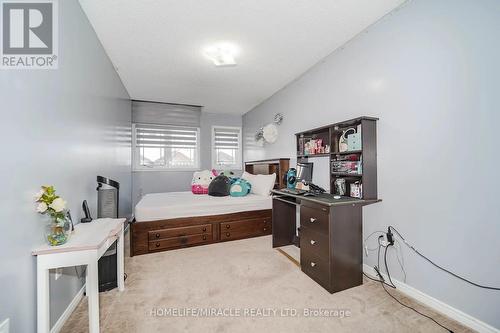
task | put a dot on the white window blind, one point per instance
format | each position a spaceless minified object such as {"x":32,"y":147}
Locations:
{"x":226,"y":147}
{"x":165,"y":114}
{"x":166,"y":136}
{"x":165,"y":147}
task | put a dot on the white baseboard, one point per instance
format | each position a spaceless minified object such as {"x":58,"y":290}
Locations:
{"x":437,"y":305}
{"x":69,"y":310}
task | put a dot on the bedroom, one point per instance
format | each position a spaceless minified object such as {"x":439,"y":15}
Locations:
{"x":272,"y":95}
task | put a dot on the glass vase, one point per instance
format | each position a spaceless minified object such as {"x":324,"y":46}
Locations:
{"x":58,"y":230}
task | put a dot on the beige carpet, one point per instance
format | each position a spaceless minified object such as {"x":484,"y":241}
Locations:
{"x":245,"y":276}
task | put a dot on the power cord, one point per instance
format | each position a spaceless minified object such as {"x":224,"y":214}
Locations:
{"x":420,"y":313}
{"x":391,"y":242}
{"x":387,"y":267}
{"x":377,"y":268}
{"x":397,"y":249}
{"x":440,"y":267}
{"x":391,"y":285}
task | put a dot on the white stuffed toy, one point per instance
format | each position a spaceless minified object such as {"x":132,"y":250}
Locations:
{"x":201,"y":180}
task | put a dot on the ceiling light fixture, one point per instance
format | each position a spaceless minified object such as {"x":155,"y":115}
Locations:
{"x":222,"y":54}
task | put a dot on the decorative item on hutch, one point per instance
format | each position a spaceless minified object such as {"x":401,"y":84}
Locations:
{"x":354,"y":141}
{"x":357,"y":190}
{"x":58,"y":228}
{"x":343,"y":140}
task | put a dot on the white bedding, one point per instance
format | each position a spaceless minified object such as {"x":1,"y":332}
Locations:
{"x":162,"y":206}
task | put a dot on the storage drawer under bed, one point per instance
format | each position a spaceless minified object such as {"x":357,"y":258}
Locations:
{"x":181,"y":241}
{"x":243,"y":229}
{"x":179,"y":232}
{"x":170,"y":234}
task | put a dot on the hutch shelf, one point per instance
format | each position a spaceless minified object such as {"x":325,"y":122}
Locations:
{"x":324,"y":142}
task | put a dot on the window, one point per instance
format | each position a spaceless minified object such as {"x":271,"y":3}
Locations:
{"x":226,"y":147}
{"x":164,"y":147}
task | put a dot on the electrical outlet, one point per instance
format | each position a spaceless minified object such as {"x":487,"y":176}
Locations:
{"x":4,"y":326}
{"x":382,"y":240}
{"x":58,"y":273}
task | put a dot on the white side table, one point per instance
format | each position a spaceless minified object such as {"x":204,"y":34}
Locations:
{"x":87,"y":244}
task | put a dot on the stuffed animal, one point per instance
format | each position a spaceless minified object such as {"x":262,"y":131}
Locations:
{"x":240,"y":187}
{"x":220,"y":186}
{"x":226,"y":173}
{"x":201,"y":180}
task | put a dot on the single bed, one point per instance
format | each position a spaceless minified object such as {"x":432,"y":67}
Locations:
{"x":167,"y":221}
{"x":163,"y":206}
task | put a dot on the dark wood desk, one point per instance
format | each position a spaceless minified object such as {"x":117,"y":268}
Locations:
{"x":331,"y":239}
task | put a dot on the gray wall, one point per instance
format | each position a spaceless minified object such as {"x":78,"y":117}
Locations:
{"x":60,"y":127}
{"x":145,"y":182}
{"x":431,"y":72}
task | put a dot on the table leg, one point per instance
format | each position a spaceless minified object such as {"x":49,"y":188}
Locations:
{"x":43,"y":310}
{"x":92,"y":289}
{"x":120,"y":262}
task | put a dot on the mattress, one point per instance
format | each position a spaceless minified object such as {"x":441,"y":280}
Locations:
{"x":162,"y":206}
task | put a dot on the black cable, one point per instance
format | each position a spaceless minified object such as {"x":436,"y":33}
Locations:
{"x":386,"y":267}
{"x":397,"y":300}
{"x":441,"y":268}
{"x":378,"y":252}
{"x":420,"y":313}
{"x":377,"y":269}
{"x":369,"y":277}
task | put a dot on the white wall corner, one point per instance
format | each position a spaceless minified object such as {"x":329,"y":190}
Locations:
{"x":436,"y":304}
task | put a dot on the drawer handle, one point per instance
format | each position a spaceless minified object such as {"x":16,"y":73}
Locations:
{"x":312,"y":219}
{"x":227,"y":226}
{"x":157,"y":244}
{"x":204,"y":237}
{"x":228,"y":234}
{"x":313,"y":242}
{"x":313,"y":264}
{"x":157,"y":235}
{"x":205,"y":229}
{"x":265,"y":229}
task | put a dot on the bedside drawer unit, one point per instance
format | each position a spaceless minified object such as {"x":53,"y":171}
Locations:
{"x":181,"y":241}
{"x":315,"y":217}
{"x":243,"y":229}
{"x":313,"y":242}
{"x":180,"y":232}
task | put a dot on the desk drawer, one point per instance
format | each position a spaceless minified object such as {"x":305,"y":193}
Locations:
{"x":316,"y":267}
{"x":175,"y":242}
{"x":314,"y":242}
{"x":315,"y":217}
{"x":243,"y":229}
{"x":179,"y":232}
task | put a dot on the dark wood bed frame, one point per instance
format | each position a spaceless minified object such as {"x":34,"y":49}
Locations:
{"x":163,"y":235}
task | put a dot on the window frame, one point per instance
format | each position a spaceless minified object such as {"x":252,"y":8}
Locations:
{"x":135,"y":152}
{"x":239,"y":154}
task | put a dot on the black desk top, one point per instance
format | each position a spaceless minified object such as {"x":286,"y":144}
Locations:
{"x":326,"y":199}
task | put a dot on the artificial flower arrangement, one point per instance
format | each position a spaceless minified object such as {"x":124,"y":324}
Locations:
{"x":49,"y":203}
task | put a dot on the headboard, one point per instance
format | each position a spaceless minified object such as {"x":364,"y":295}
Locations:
{"x":279,"y":166}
